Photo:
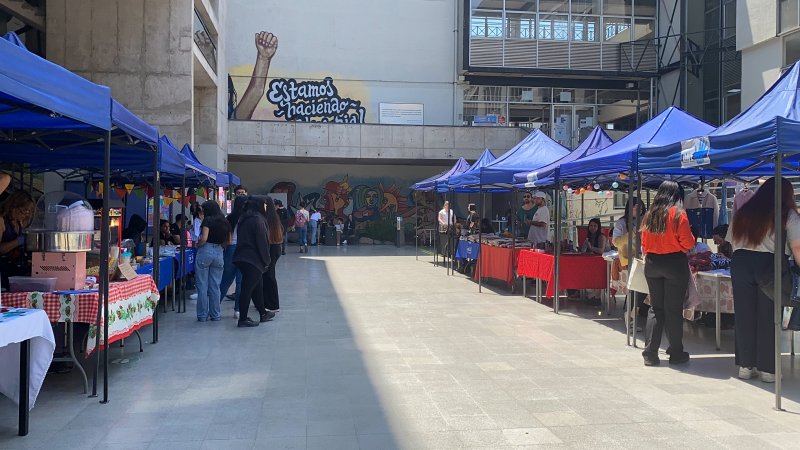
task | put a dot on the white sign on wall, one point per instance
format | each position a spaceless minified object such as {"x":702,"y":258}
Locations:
{"x":401,"y":114}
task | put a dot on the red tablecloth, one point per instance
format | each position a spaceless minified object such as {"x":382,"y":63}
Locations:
{"x":577,"y":271}
{"x":497,"y":262}
{"x":130,"y":305}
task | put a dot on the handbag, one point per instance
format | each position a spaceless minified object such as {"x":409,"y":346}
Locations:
{"x":766,"y":282}
{"x":636,"y":280}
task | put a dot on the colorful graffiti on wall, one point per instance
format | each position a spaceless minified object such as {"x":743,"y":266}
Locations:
{"x":366,"y":201}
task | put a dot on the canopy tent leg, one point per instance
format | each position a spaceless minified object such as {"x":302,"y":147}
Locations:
{"x":183,"y":271}
{"x":105,"y":233}
{"x":416,"y":229}
{"x":436,"y":230}
{"x":480,"y":235}
{"x":557,"y":245}
{"x":513,"y":219}
{"x":156,"y":236}
{"x":451,"y":238}
{"x":630,"y":322}
{"x":777,"y":295}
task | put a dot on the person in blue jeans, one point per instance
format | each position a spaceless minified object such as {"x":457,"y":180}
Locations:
{"x":313,"y":225}
{"x":300,"y":224}
{"x":215,"y":234}
{"x":231,"y":272}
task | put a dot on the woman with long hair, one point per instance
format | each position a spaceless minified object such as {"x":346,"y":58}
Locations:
{"x":231,"y":273}
{"x":252,"y":259}
{"x":17,"y":213}
{"x":215,"y":234}
{"x":596,"y":242}
{"x":666,"y":238}
{"x":619,"y":237}
{"x":752,"y":236}
{"x":271,"y":301}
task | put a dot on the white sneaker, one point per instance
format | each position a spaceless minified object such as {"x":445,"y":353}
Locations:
{"x":767,"y":377}
{"x":746,"y":373}
{"x":193,"y":296}
{"x":236,"y":314}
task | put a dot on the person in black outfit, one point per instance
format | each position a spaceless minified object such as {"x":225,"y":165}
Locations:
{"x":473,"y":219}
{"x":252,"y":259}
{"x":136,"y":226}
{"x":283,"y":215}
{"x":271,"y":301}
{"x":17,"y":212}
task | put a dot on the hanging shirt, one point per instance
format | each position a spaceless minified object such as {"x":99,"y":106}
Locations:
{"x":702,"y":208}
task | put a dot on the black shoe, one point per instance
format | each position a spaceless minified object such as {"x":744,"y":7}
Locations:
{"x":283,"y":252}
{"x":651,"y":360}
{"x":679,"y":358}
{"x":229,"y":298}
{"x":247,"y":323}
{"x":267,"y":316}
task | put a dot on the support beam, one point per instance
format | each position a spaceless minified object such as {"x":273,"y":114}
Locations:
{"x":25,"y":12}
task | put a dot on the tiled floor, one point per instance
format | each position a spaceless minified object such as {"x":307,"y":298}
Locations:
{"x":373,"y":349}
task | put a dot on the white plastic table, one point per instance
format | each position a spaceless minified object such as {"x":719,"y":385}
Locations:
{"x":26,"y":350}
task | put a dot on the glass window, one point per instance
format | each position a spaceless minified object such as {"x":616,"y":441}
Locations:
{"x":530,"y":116}
{"x":487,"y":4}
{"x":789,"y":11}
{"x":586,"y":7}
{"x":608,"y":97}
{"x":485,"y":94}
{"x":730,"y":20}
{"x":560,"y":6}
{"x":483,"y":109}
{"x":585,"y":28}
{"x":791,"y":49}
{"x":553,"y":27}
{"x":616,"y":29}
{"x":521,"y":26}
{"x":647,"y":8}
{"x":528,"y":95}
{"x":621,"y":7}
{"x":520,"y":5}
{"x":644,"y":29}
{"x":486,"y":24}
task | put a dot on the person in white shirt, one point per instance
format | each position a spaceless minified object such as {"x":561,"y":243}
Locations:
{"x":313,"y":223}
{"x":446,"y":218}
{"x":540,"y":224}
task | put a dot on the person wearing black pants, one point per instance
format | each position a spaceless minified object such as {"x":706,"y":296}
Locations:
{"x":755,"y":339}
{"x":270,"y":282}
{"x":666,"y":238}
{"x":752,"y":238}
{"x":667,"y":279}
{"x":252,"y":259}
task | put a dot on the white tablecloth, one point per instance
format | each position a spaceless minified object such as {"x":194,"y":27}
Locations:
{"x":17,"y":325}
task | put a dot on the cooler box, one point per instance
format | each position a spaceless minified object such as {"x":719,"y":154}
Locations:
{"x":69,"y":269}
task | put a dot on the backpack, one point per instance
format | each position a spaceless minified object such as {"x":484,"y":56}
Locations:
{"x":300,"y":219}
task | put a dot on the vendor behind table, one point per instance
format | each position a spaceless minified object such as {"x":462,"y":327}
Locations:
{"x":17,"y":212}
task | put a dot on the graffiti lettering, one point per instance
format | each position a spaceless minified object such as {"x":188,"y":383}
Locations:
{"x":313,"y":101}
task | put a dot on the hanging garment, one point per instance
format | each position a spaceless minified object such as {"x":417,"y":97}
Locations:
{"x":702,"y":208}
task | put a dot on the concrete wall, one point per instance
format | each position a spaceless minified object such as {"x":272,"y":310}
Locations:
{"x":139,"y":48}
{"x":280,"y":139}
{"x":761,"y":67}
{"x":376,"y":51}
{"x":756,"y":22}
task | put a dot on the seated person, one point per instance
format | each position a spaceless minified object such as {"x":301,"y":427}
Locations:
{"x":175,"y":228}
{"x":486,"y":226}
{"x":136,"y":226}
{"x":724,"y":247}
{"x":17,"y":213}
{"x":699,"y":247}
{"x":595,"y":242}
{"x":165,"y":236}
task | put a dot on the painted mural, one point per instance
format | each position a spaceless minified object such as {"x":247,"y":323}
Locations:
{"x":253,"y":95}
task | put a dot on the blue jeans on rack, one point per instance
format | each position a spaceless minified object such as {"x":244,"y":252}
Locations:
{"x":209,"y":266}
{"x":229,"y":274}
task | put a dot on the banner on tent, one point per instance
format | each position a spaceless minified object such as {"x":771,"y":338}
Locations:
{"x":695,"y":152}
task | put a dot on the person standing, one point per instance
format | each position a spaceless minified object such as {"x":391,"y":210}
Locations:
{"x":301,"y":217}
{"x":540,"y":222}
{"x":270,"y":282}
{"x":283,"y":215}
{"x":240,"y":191}
{"x":252,"y":259}
{"x":473,"y":219}
{"x":447,"y":222}
{"x":525,"y":213}
{"x":666,"y":238}
{"x":752,"y":236}
{"x":313,"y":225}
{"x":215,"y":233}
{"x":619,"y":237}
{"x":231,"y":272}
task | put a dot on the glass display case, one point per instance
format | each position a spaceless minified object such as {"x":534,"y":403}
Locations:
{"x":62,"y":222}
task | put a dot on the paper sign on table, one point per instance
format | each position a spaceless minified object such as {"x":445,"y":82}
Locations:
{"x":127,"y":271}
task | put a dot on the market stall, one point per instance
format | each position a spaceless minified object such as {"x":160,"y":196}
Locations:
{"x":578,"y":271}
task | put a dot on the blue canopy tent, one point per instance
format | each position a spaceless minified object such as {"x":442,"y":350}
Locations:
{"x":761,"y":140}
{"x":227,"y":179}
{"x":596,"y":141}
{"x":433,"y":182}
{"x":536,"y":150}
{"x":194,"y":164}
{"x":52,"y":119}
{"x":486,"y":158}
